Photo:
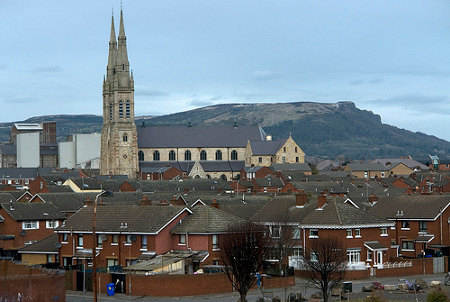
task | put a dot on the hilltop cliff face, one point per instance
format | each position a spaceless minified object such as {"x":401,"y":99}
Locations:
{"x":324,"y":130}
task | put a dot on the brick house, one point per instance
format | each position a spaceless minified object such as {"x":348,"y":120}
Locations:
{"x":421,"y":222}
{"x":124,"y":233}
{"x":24,"y":223}
{"x":41,"y":252}
{"x":159,"y":173}
{"x":365,"y":236}
{"x":268,"y":184}
{"x":377,"y":170}
{"x":201,"y":231}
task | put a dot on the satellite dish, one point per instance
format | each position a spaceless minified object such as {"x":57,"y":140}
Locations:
{"x":23,"y":232}
{"x":58,"y":245}
{"x":103,"y":237}
{"x":133,"y":238}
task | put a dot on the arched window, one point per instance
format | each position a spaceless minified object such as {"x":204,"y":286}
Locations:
{"x":187,"y":155}
{"x":141,"y":155}
{"x":234,"y":155}
{"x":297,"y":160}
{"x":172,"y":155}
{"x":218,"y":155}
{"x":110,"y":112}
{"x":223,"y":177}
{"x":295,"y":149}
{"x":156,"y":155}
{"x":127,"y":108}
{"x":120,"y":109}
{"x":125,"y":138}
{"x":203,"y":155}
{"x":208,"y":176}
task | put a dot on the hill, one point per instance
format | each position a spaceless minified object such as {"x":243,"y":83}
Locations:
{"x":323,"y":130}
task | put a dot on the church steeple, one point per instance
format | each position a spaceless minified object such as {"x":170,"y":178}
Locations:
{"x":119,"y":136}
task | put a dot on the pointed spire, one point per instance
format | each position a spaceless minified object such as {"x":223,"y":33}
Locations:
{"x":122,"y":27}
{"x":112,"y":38}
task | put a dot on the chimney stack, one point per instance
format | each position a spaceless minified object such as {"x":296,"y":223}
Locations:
{"x":373,"y":199}
{"x":301,"y":199}
{"x":146,"y":201}
{"x":215,"y":204}
{"x":321,"y":201}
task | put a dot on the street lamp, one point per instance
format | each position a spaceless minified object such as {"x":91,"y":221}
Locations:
{"x":94,"y":243}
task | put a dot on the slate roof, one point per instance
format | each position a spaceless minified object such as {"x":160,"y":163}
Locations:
{"x":368,"y":167}
{"x":206,"y":220}
{"x":266,"y":147}
{"x":410,"y":163}
{"x":21,"y":211}
{"x":222,"y":166}
{"x":7,"y":197}
{"x":270,"y":182}
{"x":85,"y":183}
{"x":325,"y":164}
{"x":111,"y":218}
{"x":199,"y":136}
{"x":335,"y":214}
{"x":20,"y":173}
{"x":426,"y":207}
{"x":8,"y":149}
{"x":65,"y":202}
{"x":46,"y":245}
{"x":59,"y":189}
{"x":292,"y":167}
{"x":179,"y":185}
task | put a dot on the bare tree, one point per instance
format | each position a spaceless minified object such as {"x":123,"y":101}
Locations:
{"x":242,"y":253}
{"x":325,"y":264}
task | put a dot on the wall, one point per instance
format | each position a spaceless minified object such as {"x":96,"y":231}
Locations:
{"x":18,"y":283}
{"x":67,"y":154}
{"x":28,"y":150}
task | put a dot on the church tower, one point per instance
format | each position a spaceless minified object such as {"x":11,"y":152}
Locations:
{"x":119,"y":136}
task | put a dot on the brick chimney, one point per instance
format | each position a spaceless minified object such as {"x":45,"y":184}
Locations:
{"x":87,"y":202}
{"x":215,"y":204}
{"x":325,"y":191}
{"x":373,"y":199}
{"x":301,"y":199}
{"x":321,"y":200}
{"x":146,"y":201}
{"x":186,"y":190}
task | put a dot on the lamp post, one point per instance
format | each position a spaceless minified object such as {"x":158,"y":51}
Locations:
{"x":94,"y":243}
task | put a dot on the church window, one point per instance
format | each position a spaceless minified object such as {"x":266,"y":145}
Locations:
{"x":297,"y":159}
{"x":283,"y":160}
{"x":187,"y":155}
{"x":120,"y":109}
{"x":114,"y":71}
{"x":172,"y":155}
{"x":128,"y":109}
{"x":141,"y":155}
{"x":125,"y":137}
{"x":234,"y":155}
{"x":156,"y":155}
{"x":110,"y":112}
{"x":284,"y":149}
{"x":218,"y":155}
{"x":123,"y":66}
{"x":203,"y":155}
{"x":223,"y":177}
{"x":296,"y":150}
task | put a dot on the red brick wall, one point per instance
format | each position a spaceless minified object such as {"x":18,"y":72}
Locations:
{"x":31,"y":284}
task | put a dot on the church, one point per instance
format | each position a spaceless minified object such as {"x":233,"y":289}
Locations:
{"x":198,"y":151}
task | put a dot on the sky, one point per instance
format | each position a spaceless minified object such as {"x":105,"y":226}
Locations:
{"x":389,"y":57}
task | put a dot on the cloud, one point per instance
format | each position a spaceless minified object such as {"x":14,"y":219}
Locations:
{"x":48,"y":70}
{"x":248,"y":96}
{"x":150,"y":92}
{"x":264,"y":75}
{"x":22,"y":100}
{"x":203,"y":103}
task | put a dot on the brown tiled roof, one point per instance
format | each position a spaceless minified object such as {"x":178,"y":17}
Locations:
{"x":411,"y":206}
{"x":123,"y":218}
{"x":206,"y":219}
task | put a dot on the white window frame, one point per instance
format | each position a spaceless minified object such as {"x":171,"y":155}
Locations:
{"x":182,"y":239}
{"x":353,"y":256}
{"x":349,"y":233}
{"x":51,"y":224}
{"x":296,"y":233}
{"x":144,"y":242}
{"x":384,"y":232}
{"x":30,"y":225}
{"x":313,"y":233}
{"x":357,"y":233}
{"x":215,"y":242}
{"x":275,"y":231}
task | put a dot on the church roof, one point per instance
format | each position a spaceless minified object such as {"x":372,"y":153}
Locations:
{"x":266,"y":147}
{"x":200,"y":136}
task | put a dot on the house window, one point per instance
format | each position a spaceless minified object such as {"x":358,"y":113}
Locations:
{"x":112,"y":262}
{"x":51,"y":224}
{"x":296,"y":233}
{"x":67,"y":261}
{"x":125,"y":138}
{"x":203,"y":155}
{"x":349,"y":233}
{"x":30,"y":225}
{"x":260,"y":159}
{"x":407,"y":245}
{"x":99,"y":240}
{"x":313,"y":256}
{"x":357,"y":233}
{"x":215,"y":242}
{"x":369,"y":255}
{"x":144,"y":242}
{"x":49,"y":259}
{"x":405,"y":224}
{"x":141,"y":155}
{"x":120,"y":109}
{"x":422,"y":226}
{"x":128,"y":109}
{"x":65,"y":237}
{"x":187,"y":155}
{"x":353,"y":256}
{"x":383,"y":231}
{"x":130,"y":238}
{"x":234,"y":155}
{"x":115,"y":239}
{"x":172,"y":155}
{"x":182,"y":239}
{"x":382,"y":174}
{"x":314,"y":233}
{"x":275,"y":231}
{"x":218,"y":155}
{"x":156,"y":156}
{"x":80,"y":240}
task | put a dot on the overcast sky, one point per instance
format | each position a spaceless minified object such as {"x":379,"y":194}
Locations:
{"x":390,"y":57}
